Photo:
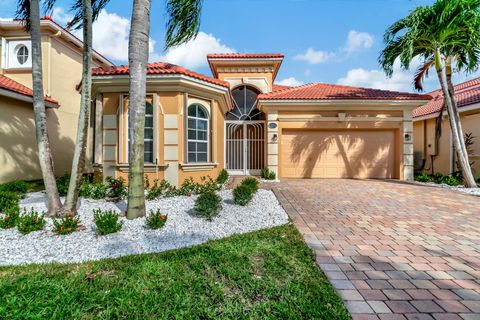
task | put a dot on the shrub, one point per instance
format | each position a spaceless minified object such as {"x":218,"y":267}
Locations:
{"x":222,"y":177}
{"x":8,"y":200}
{"x":106,"y":221}
{"x":156,"y":219}
{"x":423,"y":178}
{"x":67,"y":224}
{"x":208,"y":205}
{"x":267,"y":174}
{"x":116,"y":188}
{"x":207,"y":184}
{"x":251,"y":183}
{"x":242,"y":195}
{"x":9,"y":218}
{"x":18,"y":186}
{"x":62,"y":184}
{"x":93,"y":190}
{"x":158,"y":189}
{"x":30,"y":221}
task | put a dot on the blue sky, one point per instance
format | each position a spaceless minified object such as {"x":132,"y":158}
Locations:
{"x":333,"y":41}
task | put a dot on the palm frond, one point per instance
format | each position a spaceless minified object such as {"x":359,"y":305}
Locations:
{"x":183,"y":21}
{"x":23,"y":13}
{"x":422,"y":73}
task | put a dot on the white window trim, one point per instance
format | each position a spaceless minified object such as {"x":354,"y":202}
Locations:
{"x":208,"y":119}
{"x":124,"y":139}
{"x":8,"y":56}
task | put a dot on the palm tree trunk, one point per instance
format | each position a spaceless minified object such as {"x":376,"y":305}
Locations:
{"x":454,"y":119}
{"x":43,"y":144}
{"x":78,"y":164}
{"x":137,"y":59}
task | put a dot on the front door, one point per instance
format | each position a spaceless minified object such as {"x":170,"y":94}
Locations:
{"x":245,"y":147}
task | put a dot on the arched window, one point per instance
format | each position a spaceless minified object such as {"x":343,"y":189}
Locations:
{"x":197,"y":148}
{"x":245,"y":104}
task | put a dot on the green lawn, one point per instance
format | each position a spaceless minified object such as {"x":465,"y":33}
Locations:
{"x":268,"y":274}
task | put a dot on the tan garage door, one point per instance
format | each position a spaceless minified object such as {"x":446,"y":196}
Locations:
{"x":338,"y":154}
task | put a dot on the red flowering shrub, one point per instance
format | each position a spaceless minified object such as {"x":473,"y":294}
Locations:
{"x":9,"y":218}
{"x":156,"y":219}
{"x":67,"y":224}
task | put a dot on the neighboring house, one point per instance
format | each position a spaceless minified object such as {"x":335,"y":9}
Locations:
{"x":62,"y":71}
{"x":437,"y":154}
{"x":240,"y":120}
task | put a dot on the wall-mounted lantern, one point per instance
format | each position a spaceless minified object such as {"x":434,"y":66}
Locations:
{"x":408,"y":137}
{"x":274,"y":138}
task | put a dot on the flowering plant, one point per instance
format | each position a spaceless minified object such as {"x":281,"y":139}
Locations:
{"x":67,"y":224}
{"x":9,"y":218}
{"x":156,"y":219}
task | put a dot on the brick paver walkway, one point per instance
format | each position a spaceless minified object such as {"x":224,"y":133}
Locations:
{"x":392,"y":250}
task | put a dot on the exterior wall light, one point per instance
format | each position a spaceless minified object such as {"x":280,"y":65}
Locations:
{"x":408,"y":137}
{"x":274,"y":138}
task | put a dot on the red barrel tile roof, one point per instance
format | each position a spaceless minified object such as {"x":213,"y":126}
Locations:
{"x":245,"y":56}
{"x":322,"y":91}
{"x":13,"y":86}
{"x":466,"y":93}
{"x":159,"y":68}
{"x":278,"y":87}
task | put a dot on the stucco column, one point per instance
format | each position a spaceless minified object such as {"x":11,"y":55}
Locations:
{"x":408,"y":170}
{"x":109,"y":138}
{"x":272,"y":141}
{"x":170,"y":148}
{"x":98,"y":147}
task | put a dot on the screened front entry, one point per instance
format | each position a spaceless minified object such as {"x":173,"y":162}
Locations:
{"x":245,"y":134}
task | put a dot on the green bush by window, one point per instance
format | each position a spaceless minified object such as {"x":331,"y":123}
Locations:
{"x":222,"y":177}
{"x":106,"y":221}
{"x":208,"y":205}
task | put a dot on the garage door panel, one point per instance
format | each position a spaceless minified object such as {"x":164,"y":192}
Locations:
{"x":338,"y":154}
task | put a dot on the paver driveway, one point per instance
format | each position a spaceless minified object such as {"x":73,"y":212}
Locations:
{"x":392,"y":250}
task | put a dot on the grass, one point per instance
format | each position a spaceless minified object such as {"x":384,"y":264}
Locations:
{"x":268,"y":274}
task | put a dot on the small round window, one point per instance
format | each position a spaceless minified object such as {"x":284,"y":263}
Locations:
{"x":22,"y":54}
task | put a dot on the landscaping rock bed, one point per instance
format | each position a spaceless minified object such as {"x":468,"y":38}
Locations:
{"x":182,"y":229}
{"x":471,"y":191}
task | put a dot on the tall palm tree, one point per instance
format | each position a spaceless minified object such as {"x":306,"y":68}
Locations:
{"x":29,"y":12}
{"x":443,"y":36}
{"x":86,"y":12}
{"x":183,"y":25}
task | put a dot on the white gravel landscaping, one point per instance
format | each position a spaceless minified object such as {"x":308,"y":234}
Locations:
{"x":472,"y":191}
{"x":182,"y":229}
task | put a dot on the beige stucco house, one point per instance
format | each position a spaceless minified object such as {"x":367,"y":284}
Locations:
{"x":62,"y":65}
{"x":240,"y":120}
{"x":437,"y":154}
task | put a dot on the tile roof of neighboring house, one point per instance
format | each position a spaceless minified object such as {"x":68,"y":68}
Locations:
{"x":322,"y":91}
{"x":466,"y":93}
{"x":245,"y":56}
{"x":13,"y":86}
{"x":159,"y":68}
{"x":278,"y":87}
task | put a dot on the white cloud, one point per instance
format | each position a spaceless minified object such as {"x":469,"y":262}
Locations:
{"x":292,"y":82}
{"x":193,"y":53}
{"x":357,"y":41}
{"x":59,"y":15}
{"x":314,"y":57}
{"x":401,"y":80}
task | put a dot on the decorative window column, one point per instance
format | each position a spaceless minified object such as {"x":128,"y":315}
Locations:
{"x":170,"y":148}
{"x":408,"y":169}
{"x":272,"y":142}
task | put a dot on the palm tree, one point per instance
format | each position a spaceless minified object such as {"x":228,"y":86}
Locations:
{"x":29,"y":12}
{"x":183,"y":25}
{"x":443,"y":36}
{"x":86,"y":12}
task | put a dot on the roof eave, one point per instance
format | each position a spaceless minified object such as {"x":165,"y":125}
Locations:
{"x":25,"y":98}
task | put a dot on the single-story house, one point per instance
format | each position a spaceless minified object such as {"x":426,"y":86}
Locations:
{"x":434,"y":152}
{"x":240,"y":120}
{"x":62,"y":71}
